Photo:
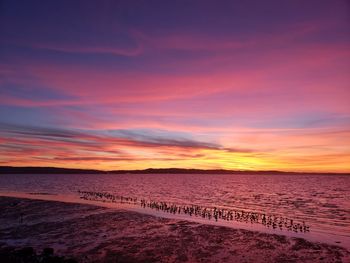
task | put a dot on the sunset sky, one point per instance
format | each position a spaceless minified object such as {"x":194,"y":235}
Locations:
{"x":252,"y":85}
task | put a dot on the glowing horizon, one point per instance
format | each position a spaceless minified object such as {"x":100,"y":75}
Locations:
{"x":124,"y":85}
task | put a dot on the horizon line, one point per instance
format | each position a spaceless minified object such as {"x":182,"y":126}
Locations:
{"x":163,"y":169}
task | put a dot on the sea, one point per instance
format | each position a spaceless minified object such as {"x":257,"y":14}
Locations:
{"x":322,"y":202}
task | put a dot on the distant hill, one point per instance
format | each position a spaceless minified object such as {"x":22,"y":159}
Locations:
{"x":56,"y":170}
{"x":45,"y":170}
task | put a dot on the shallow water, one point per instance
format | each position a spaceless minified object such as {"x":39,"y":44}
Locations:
{"x":322,"y":201}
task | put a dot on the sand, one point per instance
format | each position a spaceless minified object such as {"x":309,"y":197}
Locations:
{"x":99,"y":234}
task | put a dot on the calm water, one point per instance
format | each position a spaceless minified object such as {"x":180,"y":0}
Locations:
{"x":322,"y":201}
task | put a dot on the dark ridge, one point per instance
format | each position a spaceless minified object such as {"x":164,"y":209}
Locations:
{"x":56,"y":170}
{"x":45,"y":170}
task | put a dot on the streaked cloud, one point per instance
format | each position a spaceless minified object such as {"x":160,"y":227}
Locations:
{"x":199,"y":84}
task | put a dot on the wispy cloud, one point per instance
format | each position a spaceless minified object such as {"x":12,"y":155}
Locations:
{"x":209,"y":85}
{"x":122,"y":145}
{"x":106,"y":50}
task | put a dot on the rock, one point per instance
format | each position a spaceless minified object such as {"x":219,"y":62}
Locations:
{"x":70,"y":260}
{"x":48,"y":251}
{"x":26,"y":252}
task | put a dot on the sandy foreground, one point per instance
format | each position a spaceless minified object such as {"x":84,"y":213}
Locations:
{"x":98,"y":234}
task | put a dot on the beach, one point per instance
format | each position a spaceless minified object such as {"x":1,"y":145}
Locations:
{"x":174,"y":131}
{"x":90,"y":233}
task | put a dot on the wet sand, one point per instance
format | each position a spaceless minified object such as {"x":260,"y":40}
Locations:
{"x":98,"y":234}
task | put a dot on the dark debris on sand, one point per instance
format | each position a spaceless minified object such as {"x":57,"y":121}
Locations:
{"x":29,"y":255}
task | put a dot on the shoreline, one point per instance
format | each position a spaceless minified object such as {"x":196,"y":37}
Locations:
{"x":314,"y":236}
{"x":95,"y":233}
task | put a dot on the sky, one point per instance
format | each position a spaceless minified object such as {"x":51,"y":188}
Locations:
{"x":244,"y":85}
